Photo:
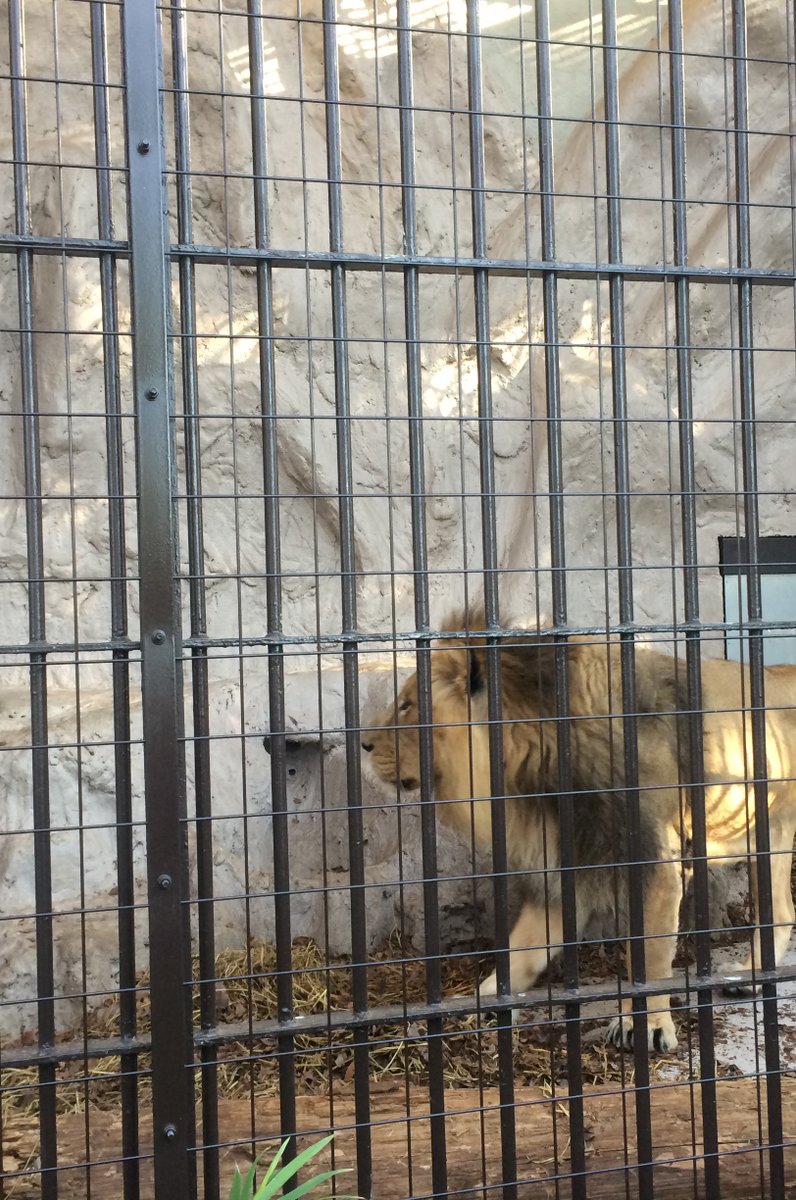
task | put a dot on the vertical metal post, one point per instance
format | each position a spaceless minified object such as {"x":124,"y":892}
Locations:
{"x":161,"y":649}
{"x":616,"y":286}
{"x":40,"y":771}
{"x":696,"y":766}
{"x":764,"y":915}
{"x":508,"y":1134}
{"x":558,"y":562}
{"x":436,"y":1081}
{"x":345,"y":484}
{"x":200,"y":690}
{"x":119,"y":619}
{"x":273,"y":568}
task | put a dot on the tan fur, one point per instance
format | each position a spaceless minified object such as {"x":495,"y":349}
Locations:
{"x":530,"y":748}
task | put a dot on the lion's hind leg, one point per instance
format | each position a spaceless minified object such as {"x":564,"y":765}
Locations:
{"x":781,"y":837}
{"x":661,"y":914}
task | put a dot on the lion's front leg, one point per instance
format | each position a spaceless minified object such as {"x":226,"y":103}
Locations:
{"x":534,"y":941}
{"x":661,"y":909}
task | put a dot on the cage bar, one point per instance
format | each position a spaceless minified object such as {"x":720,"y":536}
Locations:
{"x":764,"y":915}
{"x":200,"y":692}
{"x":491,"y":598}
{"x":630,"y":774}
{"x":45,"y":976}
{"x":348,"y":597}
{"x":559,"y":595}
{"x":167,"y":860}
{"x":119,"y":614}
{"x":420,"y":564}
{"x":696,"y":765}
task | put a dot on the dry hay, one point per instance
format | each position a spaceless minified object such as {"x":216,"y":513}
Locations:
{"x":246,"y":989}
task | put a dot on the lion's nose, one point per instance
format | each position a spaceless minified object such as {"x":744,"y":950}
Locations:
{"x":367,"y":746}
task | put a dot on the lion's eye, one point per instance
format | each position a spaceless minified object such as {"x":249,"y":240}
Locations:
{"x":405,"y":706}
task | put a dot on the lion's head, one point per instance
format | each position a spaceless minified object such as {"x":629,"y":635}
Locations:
{"x":459,"y":737}
{"x":460,"y":726}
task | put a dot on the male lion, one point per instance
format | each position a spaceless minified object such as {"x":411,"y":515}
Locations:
{"x":530,"y":752}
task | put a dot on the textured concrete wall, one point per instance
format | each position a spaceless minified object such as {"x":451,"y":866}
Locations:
{"x":71,"y":397}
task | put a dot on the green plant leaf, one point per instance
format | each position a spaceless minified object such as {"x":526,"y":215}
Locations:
{"x":316,"y":1182}
{"x":273,"y":1182}
{"x":276,"y":1177}
{"x":274,"y":1163}
{"x":243,"y":1186}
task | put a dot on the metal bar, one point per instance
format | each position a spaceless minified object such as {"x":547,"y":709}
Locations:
{"x":431,"y":919}
{"x":36,"y":615}
{"x":119,"y":622}
{"x":321,"y":889}
{"x":559,"y":594}
{"x":762,"y":847}
{"x":489,"y":542}
{"x":10,"y":243}
{"x":164,"y":774}
{"x":447,"y":264}
{"x":623,"y":487}
{"x":394,"y":1014}
{"x":696,"y":764}
{"x":359,"y":938}
{"x":276,"y":684}
{"x":200,"y":690}
{"x":329,"y":639}
{"x":438,"y":264}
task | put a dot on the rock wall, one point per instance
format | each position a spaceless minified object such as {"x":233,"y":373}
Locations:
{"x":71,"y":395}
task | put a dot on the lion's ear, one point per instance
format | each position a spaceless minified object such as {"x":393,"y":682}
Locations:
{"x":475,"y":677}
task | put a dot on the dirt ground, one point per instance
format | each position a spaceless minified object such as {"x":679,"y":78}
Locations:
{"x":402,"y":1150}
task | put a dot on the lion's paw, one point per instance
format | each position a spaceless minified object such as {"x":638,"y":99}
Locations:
{"x":661,"y":1035}
{"x":735,"y":986}
{"x":488,"y":988}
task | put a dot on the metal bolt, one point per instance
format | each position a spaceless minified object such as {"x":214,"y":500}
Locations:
{"x":164,"y":882}
{"x":169,"y":1132}
{"x":158,"y":637}
{"x":152,"y":393}
{"x":144,"y":146}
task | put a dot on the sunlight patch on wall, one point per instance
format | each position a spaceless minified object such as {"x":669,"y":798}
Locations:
{"x":238,"y":63}
{"x":380,"y":40}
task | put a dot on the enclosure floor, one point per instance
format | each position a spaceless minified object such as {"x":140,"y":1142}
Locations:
{"x":609,"y":1117}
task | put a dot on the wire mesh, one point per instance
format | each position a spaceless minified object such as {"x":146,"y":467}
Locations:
{"x":398,"y":586}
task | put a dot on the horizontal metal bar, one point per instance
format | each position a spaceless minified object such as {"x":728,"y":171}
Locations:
{"x":428,"y":418}
{"x":75,"y":246}
{"x":464,"y":110}
{"x":395,"y":1014}
{"x":464,"y":264}
{"x":114,"y":645}
{"x":680,"y":985}
{"x":69,"y":499}
{"x":549,"y":633}
{"x":73,"y":1051}
{"x":181,"y":176}
{"x":467,"y":264}
{"x":66,"y":81}
{"x":324,"y":890}
{"x":326,"y":643}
